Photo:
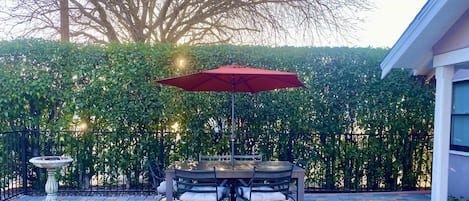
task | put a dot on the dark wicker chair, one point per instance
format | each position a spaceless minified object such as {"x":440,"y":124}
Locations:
{"x":198,"y":186}
{"x":272,"y":185}
{"x":157,"y":179}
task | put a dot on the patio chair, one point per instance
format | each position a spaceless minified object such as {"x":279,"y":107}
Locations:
{"x":272,"y":185}
{"x":257,"y":157}
{"x":198,"y":186}
{"x":157,"y":179}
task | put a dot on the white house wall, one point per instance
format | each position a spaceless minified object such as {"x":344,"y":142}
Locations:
{"x":439,"y":33}
{"x":458,"y":169}
{"x":451,"y":50}
{"x":458,"y":176}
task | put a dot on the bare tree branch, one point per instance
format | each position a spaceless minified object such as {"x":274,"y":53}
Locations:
{"x":189,"y":21}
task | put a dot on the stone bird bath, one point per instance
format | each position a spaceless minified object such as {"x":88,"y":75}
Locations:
{"x":51,"y":163}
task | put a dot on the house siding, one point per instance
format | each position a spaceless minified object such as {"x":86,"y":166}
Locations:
{"x":456,"y":38}
{"x":458,"y":176}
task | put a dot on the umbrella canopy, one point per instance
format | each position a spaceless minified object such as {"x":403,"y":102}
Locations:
{"x":235,"y":78}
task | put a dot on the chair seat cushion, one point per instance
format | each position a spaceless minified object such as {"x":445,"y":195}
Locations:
{"x":162,"y":187}
{"x":194,"y":196}
{"x":261,"y":196}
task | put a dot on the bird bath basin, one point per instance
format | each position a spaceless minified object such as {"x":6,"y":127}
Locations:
{"x":51,"y":163}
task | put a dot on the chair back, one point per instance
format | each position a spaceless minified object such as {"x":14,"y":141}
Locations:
{"x":214,"y":157}
{"x":257,"y":157}
{"x":270,"y":181}
{"x":156,"y":173}
{"x":196,"y":181}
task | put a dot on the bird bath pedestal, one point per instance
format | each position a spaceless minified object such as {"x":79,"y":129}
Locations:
{"x":51,"y":163}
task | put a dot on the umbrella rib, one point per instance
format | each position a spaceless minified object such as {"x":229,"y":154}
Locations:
{"x":279,"y":78}
{"x":200,"y":82}
{"x":222,"y":80}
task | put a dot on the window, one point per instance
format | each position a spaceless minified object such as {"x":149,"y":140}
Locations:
{"x":460,"y":117}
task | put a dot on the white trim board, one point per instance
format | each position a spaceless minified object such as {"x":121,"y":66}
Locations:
{"x":451,"y":58}
{"x":459,"y":153}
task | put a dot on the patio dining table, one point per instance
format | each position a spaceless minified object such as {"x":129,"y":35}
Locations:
{"x":240,"y":170}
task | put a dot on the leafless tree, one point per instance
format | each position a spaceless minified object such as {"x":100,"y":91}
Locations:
{"x":187,"y":21}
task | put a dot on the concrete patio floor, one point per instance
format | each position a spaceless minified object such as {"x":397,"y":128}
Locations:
{"x":387,"y":196}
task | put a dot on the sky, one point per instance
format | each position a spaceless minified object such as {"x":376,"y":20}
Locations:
{"x":382,"y":25}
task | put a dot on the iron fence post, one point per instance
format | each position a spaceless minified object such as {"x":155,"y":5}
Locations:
{"x":24,"y":162}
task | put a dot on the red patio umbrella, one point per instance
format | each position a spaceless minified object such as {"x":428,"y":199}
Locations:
{"x":235,"y":78}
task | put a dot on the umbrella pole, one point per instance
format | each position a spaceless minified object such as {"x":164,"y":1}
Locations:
{"x":232,"y":128}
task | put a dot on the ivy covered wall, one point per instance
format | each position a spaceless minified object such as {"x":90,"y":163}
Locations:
{"x":50,"y":86}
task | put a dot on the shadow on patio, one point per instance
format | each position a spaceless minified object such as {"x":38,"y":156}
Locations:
{"x":387,"y":196}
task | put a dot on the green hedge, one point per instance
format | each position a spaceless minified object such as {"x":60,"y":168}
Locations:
{"x":45,"y":84}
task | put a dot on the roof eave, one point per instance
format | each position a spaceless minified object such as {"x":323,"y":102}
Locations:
{"x":414,"y":48}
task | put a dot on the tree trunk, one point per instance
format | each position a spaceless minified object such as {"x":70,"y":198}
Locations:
{"x":64,"y":21}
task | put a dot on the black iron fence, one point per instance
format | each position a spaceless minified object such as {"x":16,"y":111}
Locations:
{"x":117,"y":162}
{"x":12,"y":173}
{"x":358,"y":162}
